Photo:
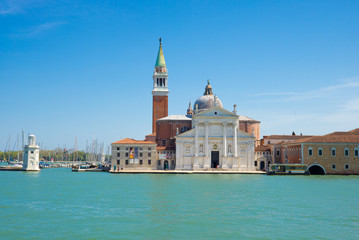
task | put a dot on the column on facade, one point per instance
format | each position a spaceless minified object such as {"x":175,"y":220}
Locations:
{"x":206,"y":140}
{"x":196,"y":139}
{"x":195,"y":161}
{"x":206,"y":147}
{"x":224,"y":160}
{"x":224,"y":140}
{"x":235,"y":139}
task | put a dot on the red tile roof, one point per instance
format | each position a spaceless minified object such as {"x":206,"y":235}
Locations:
{"x":262,"y":148}
{"x":294,"y":137}
{"x":335,"y":137}
{"x":133,"y":141}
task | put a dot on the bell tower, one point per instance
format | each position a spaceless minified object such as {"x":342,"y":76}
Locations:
{"x":160,"y":89}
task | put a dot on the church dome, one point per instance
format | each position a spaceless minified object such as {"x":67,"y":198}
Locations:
{"x":207,"y":100}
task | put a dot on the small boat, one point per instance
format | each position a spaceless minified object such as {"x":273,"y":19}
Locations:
{"x":288,"y":169}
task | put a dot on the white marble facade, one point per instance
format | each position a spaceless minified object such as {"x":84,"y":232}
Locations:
{"x":215,"y":141}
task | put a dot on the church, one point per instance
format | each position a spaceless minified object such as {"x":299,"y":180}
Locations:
{"x":215,"y":140}
{"x":207,"y":137}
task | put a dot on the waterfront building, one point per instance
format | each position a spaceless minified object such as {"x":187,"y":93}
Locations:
{"x":334,"y":153}
{"x":31,"y":155}
{"x":262,"y":157}
{"x":266,"y":147}
{"x":133,"y":154}
{"x":215,"y":140}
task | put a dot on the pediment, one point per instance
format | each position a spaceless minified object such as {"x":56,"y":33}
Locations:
{"x":216,"y":111}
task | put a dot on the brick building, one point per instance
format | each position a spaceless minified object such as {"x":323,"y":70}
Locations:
{"x":334,"y":153}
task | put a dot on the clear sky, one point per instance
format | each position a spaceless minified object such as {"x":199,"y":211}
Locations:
{"x":82,"y":68}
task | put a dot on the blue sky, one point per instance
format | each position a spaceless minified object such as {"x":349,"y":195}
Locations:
{"x":84,"y":68}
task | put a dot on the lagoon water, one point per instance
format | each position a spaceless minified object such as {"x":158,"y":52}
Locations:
{"x":60,"y":204}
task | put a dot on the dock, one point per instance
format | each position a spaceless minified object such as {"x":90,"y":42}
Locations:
{"x":10,"y":169}
{"x":184,"y":172}
{"x":90,"y":170}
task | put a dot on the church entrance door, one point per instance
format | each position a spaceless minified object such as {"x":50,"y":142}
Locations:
{"x":214,"y":159}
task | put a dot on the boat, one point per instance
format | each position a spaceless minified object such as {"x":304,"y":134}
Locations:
{"x":288,"y":169}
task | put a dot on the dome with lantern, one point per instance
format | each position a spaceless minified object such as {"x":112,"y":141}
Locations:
{"x":208,"y":100}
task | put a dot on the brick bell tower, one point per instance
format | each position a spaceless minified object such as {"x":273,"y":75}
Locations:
{"x":160,"y":89}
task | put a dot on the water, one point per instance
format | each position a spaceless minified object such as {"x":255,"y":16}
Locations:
{"x":59,"y":204}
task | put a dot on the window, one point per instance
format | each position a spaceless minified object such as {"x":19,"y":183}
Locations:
{"x":320,"y":151}
{"x":163,"y":142}
{"x":149,"y":148}
{"x":334,"y":166}
{"x":333,"y":151}
{"x":140,"y":154}
{"x":118,"y":154}
{"x":346,"y":152}
{"x":126,"y":161}
{"x":310,"y":151}
{"x":32,"y":151}
{"x":127,"y":154}
{"x":278,"y":152}
{"x":201,"y":148}
{"x":149,"y":154}
{"x":268,"y":142}
{"x":356,"y":152}
{"x":346,"y":166}
{"x":118,"y":148}
{"x":149,"y":162}
{"x":141,"y":161}
{"x":229,"y":148}
{"x":118,"y":162}
{"x":188,"y":149}
{"x":255,"y":163}
{"x":159,"y":162}
{"x":126,"y":148}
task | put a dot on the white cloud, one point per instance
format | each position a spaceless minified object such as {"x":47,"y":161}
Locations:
{"x":352,"y":105}
{"x":10,"y":11}
{"x":38,"y":29}
{"x":43,"y":27}
{"x":323,"y":92}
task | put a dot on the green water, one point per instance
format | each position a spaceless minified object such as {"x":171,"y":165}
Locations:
{"x":59,"y":204}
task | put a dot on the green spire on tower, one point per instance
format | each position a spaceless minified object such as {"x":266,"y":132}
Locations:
{"x":160,"y":62}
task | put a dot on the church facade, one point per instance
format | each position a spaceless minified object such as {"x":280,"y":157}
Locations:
{"x":215,"y":140}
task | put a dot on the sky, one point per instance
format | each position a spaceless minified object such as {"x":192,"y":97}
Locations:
{"x":82,"y":69}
